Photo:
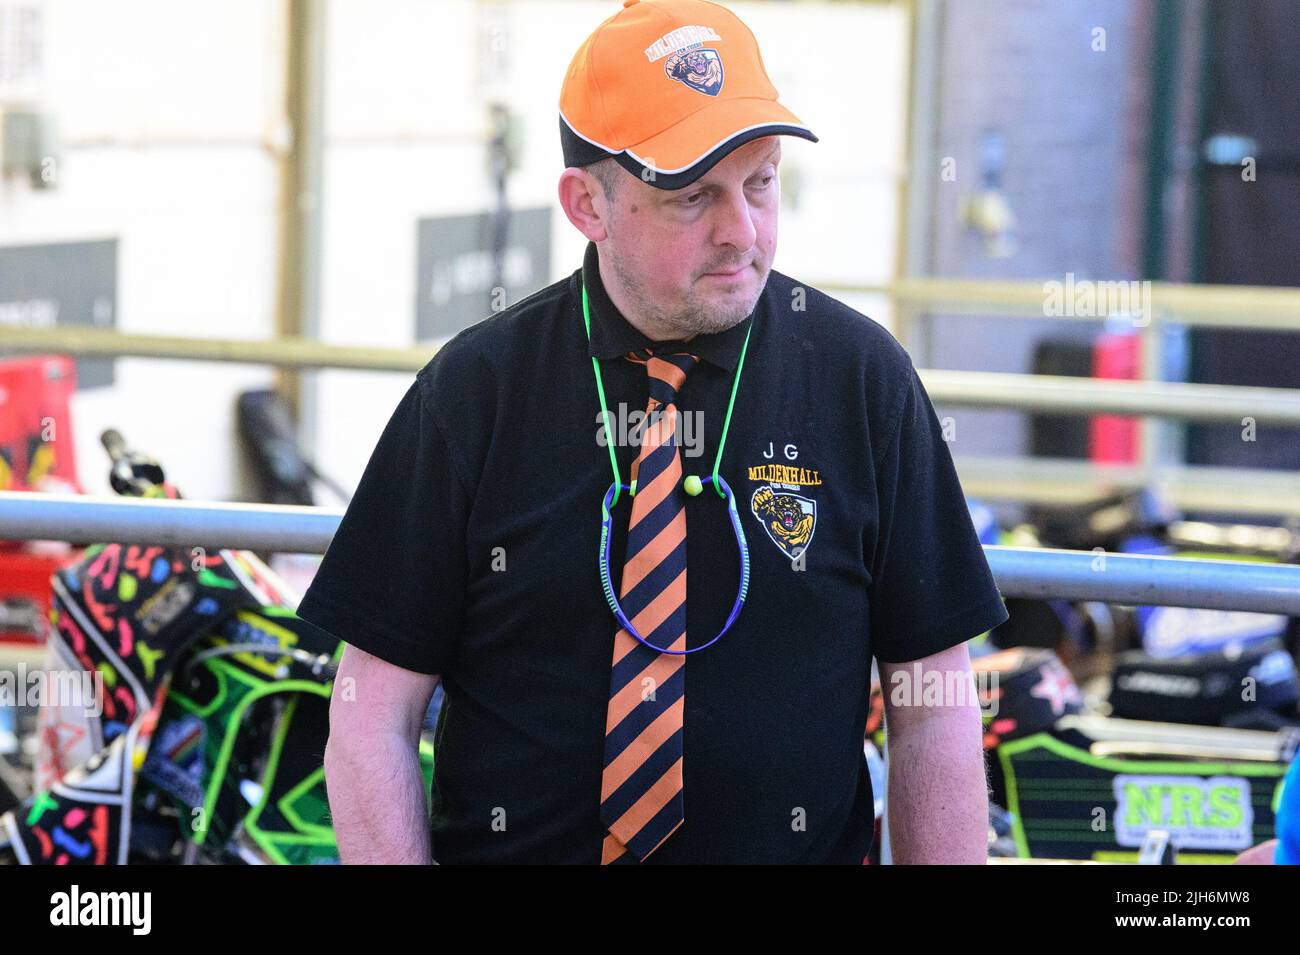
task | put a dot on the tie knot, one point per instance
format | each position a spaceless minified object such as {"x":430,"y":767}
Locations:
{"x":667,"y":367}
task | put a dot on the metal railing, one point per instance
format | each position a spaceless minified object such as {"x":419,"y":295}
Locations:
{"x":1165,"y":306}
{"x":288,"y":352}
{"x":972,"y":389}
{"x":1051,"y":482}
{"x":81,"y":519}
{"x":1139,"y":579}
{"x":1042,"y":481}
{"x":1065,"y":395}
{"x":1019,"y":571}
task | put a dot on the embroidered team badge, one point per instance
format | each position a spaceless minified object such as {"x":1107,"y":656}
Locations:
{"x":701,"y":70}
{"x":688,"y":61}
{"x":788,"y":518}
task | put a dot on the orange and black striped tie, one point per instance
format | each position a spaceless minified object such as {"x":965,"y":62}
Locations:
{"x":641,"y":799}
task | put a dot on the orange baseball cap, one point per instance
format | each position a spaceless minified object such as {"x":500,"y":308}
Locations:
{"x":668,"y":88}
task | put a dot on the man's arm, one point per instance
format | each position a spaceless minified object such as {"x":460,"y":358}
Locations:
{"x":372,"y":765}
{"x":938,"y":791}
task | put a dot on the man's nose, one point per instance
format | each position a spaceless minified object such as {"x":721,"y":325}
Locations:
{"x":734,"y":223}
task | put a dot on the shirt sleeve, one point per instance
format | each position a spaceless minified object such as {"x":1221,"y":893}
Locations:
{"x":392,"y":581}
{"x":931,"y":587}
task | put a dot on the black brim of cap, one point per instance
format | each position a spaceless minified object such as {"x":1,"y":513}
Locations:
{"x":579,"y":152}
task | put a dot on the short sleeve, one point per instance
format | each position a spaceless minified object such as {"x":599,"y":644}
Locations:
{"x":931,"y":587}
{"x":392,"y":581}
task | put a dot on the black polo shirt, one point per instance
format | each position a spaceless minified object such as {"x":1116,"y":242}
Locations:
{"x":470,"y":550}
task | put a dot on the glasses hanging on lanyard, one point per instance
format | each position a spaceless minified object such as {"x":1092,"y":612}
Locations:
{"x":693,"y":485}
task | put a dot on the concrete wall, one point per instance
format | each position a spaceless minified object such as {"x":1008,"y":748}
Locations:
{"x":1069,"y":113}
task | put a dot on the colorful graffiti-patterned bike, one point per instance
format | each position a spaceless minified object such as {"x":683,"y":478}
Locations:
{"x":202,"y":737}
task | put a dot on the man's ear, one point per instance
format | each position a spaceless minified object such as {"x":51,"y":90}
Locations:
{"x":584,"y":203}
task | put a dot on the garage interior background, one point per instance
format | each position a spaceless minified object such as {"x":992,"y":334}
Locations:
{"x":366,"y":173}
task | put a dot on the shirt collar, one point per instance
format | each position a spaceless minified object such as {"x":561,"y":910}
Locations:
{"x":613,"y":336}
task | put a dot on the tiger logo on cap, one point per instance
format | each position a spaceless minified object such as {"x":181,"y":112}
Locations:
{"x":700,"y":69}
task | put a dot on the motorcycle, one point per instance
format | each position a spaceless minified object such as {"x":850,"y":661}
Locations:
{"x":189,"y":710}
{"x":1164,"y":746}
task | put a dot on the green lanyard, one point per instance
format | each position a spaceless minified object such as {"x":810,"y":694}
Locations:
{"x":609,"y":440}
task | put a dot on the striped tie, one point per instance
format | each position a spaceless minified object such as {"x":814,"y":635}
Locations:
{"x":641,"y":801}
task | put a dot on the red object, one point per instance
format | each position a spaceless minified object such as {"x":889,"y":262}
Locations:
{"x":36,"y":453}
{"x":36,"y":445}
{"x":25,"y":593}
{"x":1113,"y":439}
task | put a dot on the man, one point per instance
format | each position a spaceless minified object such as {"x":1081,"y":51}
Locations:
{"x":468,"y":554}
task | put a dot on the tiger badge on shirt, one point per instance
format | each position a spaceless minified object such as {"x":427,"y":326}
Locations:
{"x":784,"y":508}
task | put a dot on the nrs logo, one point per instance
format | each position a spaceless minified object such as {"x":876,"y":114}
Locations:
{"x":1213,"y":813}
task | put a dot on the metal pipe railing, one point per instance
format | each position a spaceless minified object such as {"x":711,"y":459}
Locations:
{"x":1066,"y":395}
{"x":1145,"y":579}
{"x":1020,"y":572}
{"x":1256,"y":308}
{"x":286,"y":352}
{"x":1074,"y":481}
{"x":1263,"y":492}
{"x":1150,"y":308}
{"x":80,"y":519}
{"x":971,"y":389}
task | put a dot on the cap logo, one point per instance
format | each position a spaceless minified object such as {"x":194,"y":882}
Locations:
{"x":676,"y":41}
{"x":701,"y":70}
{"x":688,"y":64}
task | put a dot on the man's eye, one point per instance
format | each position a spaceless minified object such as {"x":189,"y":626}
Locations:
{"x":764,"y":181}
{"x":688,"y":201}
